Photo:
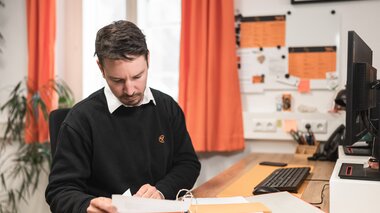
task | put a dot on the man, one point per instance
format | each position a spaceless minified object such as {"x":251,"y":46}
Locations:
{"x":124,"y":136}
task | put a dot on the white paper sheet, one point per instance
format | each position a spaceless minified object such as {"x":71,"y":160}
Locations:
{"x":128,"y":193}
{"x":126,"y":204}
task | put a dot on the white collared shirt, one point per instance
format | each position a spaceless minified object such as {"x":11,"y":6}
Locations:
{"x":113,"y":102}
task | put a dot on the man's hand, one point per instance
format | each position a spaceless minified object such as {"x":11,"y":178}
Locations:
{"x":148,"y":191}
{"x":102,"y":205}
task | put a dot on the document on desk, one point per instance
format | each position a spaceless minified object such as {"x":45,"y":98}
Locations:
{"x":125,"y":204}
{"x":284,"y":202}
{"x":226,"y":205}
{"x":222,"y":200}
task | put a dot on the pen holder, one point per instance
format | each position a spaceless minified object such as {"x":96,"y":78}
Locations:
{"x":304,"y":151}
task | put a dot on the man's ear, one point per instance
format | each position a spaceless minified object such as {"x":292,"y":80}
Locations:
{"x":100,"y":67}
{"x":148,"y":58}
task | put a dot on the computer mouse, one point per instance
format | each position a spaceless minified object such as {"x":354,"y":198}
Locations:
{"x":264,"y":190}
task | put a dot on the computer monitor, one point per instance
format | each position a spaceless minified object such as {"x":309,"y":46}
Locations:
{"x":363,"y":102}
{"x":361,"y":98}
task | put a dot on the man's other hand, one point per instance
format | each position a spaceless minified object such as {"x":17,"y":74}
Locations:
{"x":148,"y":191}
{"x":101,"y":205}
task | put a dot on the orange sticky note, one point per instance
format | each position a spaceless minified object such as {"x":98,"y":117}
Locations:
{"x":257,"y":79}
{"x":304,"y":86}
{"x":289,"y":125}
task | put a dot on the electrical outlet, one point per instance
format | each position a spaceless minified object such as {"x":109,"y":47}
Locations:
{"x":270,"y":126}
{"x":257,"y":126}
{"x":316,"y":126}
{"x":264,"y":125}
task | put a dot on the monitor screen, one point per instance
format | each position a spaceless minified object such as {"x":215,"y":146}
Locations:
{"x":362,"y":110}
{"x":361,"y":97}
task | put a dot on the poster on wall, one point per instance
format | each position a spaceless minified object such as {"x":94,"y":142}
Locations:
{"x":262,"y":31}
{"x":312,"y":62}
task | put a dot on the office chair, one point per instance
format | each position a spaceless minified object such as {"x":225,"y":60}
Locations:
{"x":56,"y":117}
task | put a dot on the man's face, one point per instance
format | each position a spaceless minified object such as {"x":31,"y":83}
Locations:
{"x":126,"y":79}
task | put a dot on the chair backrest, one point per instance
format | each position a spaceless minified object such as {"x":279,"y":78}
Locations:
{"x":56,"y":117}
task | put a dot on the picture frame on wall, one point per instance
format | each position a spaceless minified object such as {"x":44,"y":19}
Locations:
{"x":316,"y":1}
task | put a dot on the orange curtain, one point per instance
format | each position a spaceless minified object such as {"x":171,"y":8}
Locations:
{"x":41,"y":22}
{"x":209,"y":90}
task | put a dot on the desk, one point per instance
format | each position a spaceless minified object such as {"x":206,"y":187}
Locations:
{"x":363,"y":195}
{"x":322,"y":170}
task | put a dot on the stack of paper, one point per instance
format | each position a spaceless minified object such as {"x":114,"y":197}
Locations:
{"x":280,"y":202}
{"x":126,"y":204}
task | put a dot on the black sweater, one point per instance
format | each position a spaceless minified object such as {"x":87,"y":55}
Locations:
{"x":100,"y":154}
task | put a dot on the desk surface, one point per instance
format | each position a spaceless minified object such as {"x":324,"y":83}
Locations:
{"x":312,"y":194}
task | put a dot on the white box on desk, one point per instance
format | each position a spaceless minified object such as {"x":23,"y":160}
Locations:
{"x":347,"y":195}
{"x":342,"y":155}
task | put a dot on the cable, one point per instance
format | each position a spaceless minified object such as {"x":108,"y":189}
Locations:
{"x":187,"y":194}
{"x":375,"y":84}
{"x":322,"y":195}
{"x":372,"y":129}
{"x":365,"y":117}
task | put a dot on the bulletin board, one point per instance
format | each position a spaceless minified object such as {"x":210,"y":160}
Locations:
{"x":278,"y":51}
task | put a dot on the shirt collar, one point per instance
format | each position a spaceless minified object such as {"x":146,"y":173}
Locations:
{"x":113,"y":102}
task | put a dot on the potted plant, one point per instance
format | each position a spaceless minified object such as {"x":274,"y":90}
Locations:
{"x":21,"y":168}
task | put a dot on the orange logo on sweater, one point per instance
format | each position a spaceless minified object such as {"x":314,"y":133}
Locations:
{"x":161,"y":139}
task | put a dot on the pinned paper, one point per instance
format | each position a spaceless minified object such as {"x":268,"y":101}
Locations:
{"x":304,"y":86}
{"x":289,"y":125}
{"x":258,"y":79}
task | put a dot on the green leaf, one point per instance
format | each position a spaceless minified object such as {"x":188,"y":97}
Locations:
{"x":3,"y":181}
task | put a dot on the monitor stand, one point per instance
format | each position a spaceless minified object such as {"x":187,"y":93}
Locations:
{"x":358,"y":172}
{"x":360,"y":148}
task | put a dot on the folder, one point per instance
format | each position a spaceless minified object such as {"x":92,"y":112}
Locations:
{"x":231,"y":208}
{"x":284,"y":202}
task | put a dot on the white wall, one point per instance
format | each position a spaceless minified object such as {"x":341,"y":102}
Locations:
{"x":360,"y":16}
{"x":69,"y":49}
{"x":13,"y":59}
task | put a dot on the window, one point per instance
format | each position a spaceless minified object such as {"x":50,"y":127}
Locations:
{"x":160,"y":21}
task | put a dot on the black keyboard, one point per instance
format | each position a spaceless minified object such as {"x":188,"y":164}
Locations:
{"x":286,"y":179}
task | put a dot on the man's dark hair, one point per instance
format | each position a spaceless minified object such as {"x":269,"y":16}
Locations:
{"x":120,"y":40}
